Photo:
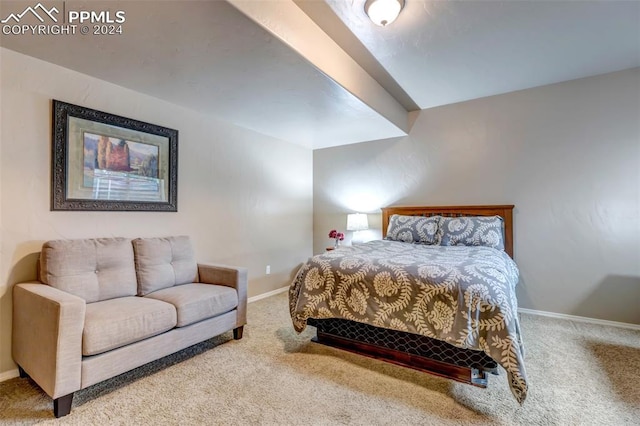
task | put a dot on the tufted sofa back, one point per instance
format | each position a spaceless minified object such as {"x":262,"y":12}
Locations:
{"x":93,"y":269}
{"x":164,"y":262}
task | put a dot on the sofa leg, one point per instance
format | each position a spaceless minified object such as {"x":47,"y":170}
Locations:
{"x":23,"y":374}
{"x":62,"y":405}
{"x":237,"y":332}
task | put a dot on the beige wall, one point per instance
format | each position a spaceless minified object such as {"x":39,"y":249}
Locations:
{"x":244,"y":198}
{"x":567,"y":155}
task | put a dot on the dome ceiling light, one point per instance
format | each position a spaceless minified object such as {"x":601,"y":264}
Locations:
{"x":383,"y":12}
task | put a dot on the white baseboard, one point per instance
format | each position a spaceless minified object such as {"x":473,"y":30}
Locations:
{"x":268,"y":294}
{"x":9,"y":375}
{"x":580,"y":319}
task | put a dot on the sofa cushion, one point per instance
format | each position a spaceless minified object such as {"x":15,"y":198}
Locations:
{"x":114,"y":323}
{"x":93,"y":269}
{"x":196,"y":302}
{"x":164,"y":262}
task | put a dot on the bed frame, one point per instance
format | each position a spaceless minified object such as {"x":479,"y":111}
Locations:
{"x":412,"y":350}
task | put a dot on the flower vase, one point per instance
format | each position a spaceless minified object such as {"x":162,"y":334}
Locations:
{"x":337,"y":244}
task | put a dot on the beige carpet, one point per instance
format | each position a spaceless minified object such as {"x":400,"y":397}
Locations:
{"x":578,"y":374}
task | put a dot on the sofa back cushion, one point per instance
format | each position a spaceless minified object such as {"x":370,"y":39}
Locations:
{"x":93,"y":269}
{"x":164,"y":262}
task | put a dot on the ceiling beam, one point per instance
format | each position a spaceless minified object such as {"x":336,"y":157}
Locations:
{"x":326,"y":18}
{"x":286,"y":21}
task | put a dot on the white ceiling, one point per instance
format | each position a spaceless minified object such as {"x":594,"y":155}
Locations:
{"x":442,"y":52}
{"x":272,"y":68}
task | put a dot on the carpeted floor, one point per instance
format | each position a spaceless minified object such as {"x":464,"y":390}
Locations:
{"x":578,"y":374}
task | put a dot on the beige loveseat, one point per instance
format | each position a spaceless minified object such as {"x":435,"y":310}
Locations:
{"x":105,"y":306}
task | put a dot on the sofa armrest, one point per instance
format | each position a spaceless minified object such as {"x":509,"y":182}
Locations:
{"x":230,"y":276}
{"x":47,"y":336}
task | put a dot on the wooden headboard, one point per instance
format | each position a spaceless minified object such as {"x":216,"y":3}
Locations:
{"x":506,"y":212}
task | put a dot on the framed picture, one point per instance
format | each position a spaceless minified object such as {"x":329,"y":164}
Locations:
{"x":102,"y":161}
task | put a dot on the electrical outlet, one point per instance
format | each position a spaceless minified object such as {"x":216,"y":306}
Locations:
{"x":268,"y":271}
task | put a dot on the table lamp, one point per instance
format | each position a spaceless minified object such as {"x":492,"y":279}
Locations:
{"x":357,"y":222}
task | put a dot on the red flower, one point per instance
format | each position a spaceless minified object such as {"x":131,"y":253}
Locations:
{"x":339,"y":236}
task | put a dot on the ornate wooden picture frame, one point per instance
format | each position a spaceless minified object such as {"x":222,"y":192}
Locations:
{"x":102,"y":161}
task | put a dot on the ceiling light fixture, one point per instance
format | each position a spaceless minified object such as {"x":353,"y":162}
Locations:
{"x":383,"y":12}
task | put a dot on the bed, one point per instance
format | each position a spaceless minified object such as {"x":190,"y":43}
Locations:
{"x":437,"y":294}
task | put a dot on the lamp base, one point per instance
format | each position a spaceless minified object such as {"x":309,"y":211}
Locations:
{"x":357,"y":238}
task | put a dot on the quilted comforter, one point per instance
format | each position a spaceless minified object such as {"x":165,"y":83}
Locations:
{"x":462,"y":295}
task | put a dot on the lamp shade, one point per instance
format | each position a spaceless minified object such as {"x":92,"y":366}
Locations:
{"x":357,"y":222}
{"x":383,"y":12}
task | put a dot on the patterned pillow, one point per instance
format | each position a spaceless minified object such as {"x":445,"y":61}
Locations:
{"x":413,"y":229}
{"x":472,"y":231}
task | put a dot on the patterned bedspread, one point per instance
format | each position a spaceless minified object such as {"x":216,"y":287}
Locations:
{"x":462,"y":295}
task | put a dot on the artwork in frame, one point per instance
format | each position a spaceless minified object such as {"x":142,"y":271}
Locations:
{"x":102,"y":161}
